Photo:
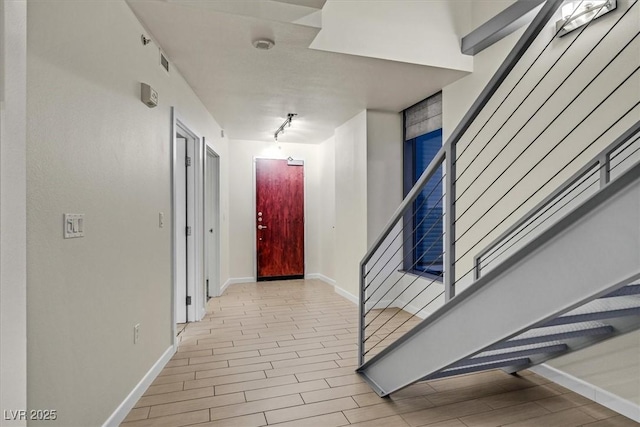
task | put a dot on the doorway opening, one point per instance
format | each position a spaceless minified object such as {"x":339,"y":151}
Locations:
{"x":212,"y":224}
{"x":188,"y":225}
{"x":279,"y":219}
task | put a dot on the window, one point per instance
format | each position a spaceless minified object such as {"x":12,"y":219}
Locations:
{"x":423,"y":226}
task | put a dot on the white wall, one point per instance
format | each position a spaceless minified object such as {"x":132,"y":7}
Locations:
{"x":13,"y":281}
{"x":327,"y":231}
{"x":242,"y":202}
{"x":384,"y":170}
{"x":351,"y":201}
{"x":613,"y":365}
{"x":397,"y":31}
{"x":458,"y":97}
{"x":94,"y":148}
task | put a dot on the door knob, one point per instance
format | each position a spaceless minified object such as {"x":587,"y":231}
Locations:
{"x":260,"y":227}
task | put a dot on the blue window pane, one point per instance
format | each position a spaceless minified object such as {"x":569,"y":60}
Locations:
{"x":428,"y":218}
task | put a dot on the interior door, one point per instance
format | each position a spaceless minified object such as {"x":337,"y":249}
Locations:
{"x":181,"y":219}
{"x":279,"y":219}
{"x":185,"y":223}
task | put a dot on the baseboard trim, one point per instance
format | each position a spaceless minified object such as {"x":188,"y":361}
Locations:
{"x":416,"y":311}
{"x":322,"y":277}
{"x":125,"y":407}
{"x":348,"y":295}
{"x":234,"y":281}
{"x":590,"y":391}
{"x":354,"y":299}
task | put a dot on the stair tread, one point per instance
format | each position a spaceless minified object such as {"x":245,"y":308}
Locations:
{"x":520,"y":341}
{"x":606,"y":304}
{"x":524,"y":361}
{"x":598,"y":315}
{"x":485,"y":358}
{"x":624,"y":291}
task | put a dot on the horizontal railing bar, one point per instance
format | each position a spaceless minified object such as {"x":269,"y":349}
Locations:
{"x":414,"y":228}
{"x":580,"y":123}
{"x":482,"y":263}
{"x":556,"y":201}
{"x":394,"y":269}
{"x":628,"y":156}
{"x":582,"y":91}
{"x":404,"y":273}
{"x":402,"y":309}
{"x":406,"y":203}
{"x":400,"y":279}
{"x":611,"y":158}
{"x":413,"y":232}
{"x":539,"y":22}
{"x":555,"y":175}
{"x":536,"y":209}
{"x":514,"y":110}
{"x":622,"y":139}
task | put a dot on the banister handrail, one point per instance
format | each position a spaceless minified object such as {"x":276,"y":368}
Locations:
{"x":447,"y":156}
{"x":393,"y":303}
{"x":590,"y":205}
{"x":621,"y":140}
{"x":532,"y":31}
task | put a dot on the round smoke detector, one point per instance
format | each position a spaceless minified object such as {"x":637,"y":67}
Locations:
{"x":263,"y":44}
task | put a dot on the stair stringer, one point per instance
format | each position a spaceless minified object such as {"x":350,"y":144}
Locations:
{"x":593,"y":250}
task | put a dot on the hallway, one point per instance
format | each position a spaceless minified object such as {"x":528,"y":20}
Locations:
{"x":284,"y":353}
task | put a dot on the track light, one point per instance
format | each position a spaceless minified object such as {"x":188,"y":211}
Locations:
{"x":577,"y":13}
{"x":286,"y":123}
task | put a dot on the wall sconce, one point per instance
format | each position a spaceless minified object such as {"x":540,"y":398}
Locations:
{"x":577,"y":13}
{"x":286,"y":123}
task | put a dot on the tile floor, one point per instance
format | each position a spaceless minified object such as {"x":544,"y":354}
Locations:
{"x":284,"y":353}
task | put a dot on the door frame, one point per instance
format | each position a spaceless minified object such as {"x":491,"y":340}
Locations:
{"x":178,"y":124}
{"x":254,"y":234}
{"x":214,"y":280}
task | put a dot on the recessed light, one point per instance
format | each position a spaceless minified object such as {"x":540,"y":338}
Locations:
{"x":263,"y":44}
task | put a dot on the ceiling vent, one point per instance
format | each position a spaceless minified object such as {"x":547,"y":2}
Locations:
{"x":164,"y":62}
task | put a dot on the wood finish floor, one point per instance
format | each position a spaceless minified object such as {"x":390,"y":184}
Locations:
{"x":284,"y":353}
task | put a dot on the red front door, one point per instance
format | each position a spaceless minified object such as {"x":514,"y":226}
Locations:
{"x":279,"y":219}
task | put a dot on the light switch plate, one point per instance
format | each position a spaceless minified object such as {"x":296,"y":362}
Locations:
{"x":73,"y":225}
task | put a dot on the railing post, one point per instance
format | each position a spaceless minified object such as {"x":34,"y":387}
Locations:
{"x":449,"y":223}
{"x":605,"y":167}
{"x":361,"y":318}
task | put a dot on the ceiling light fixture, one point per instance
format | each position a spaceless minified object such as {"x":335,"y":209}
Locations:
{"x":577,"y":13}
{"x":263,"y":44}
{"x":287,"y":122}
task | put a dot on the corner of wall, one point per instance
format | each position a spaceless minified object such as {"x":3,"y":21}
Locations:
{"x":13,"y":279}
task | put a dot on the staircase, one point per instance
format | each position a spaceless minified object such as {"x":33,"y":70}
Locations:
{"x":541,"y":257}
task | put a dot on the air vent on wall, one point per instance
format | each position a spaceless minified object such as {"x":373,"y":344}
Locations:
{"x":164,"y":62}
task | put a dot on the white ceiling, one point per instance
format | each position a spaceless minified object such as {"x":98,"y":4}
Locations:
{"x":250,"y":92}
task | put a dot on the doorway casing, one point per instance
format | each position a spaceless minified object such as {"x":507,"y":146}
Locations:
{"x":195,"y":290}
{"x":212,"y":222}
{"x":253,"y":210}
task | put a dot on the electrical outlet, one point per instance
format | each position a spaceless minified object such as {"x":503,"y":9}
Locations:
{"x":136,"y":333}
{"x":161,"y":219}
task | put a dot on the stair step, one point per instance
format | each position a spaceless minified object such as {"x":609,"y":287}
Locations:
{"x":549,"y":349}
{"x":560,"y":336}
{"x":588,"y":317}
{"x":624,"y":291}
{"x":514,"y":363}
